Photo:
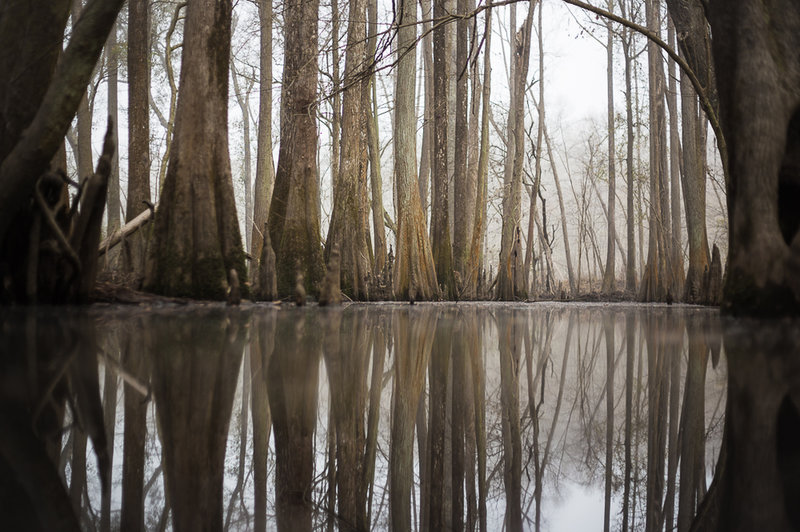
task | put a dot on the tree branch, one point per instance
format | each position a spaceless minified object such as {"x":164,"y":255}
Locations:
{"x":32,"y":154}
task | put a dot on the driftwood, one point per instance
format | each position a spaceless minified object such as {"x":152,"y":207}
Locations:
{"x":125,"y":231}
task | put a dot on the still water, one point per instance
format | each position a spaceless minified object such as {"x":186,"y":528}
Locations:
{"x":380,"y":416}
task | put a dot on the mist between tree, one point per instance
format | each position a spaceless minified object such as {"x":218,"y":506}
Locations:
{"x":525,"y":198}
{"x":416,"y":143}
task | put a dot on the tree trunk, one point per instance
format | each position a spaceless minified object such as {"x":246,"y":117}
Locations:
{"x":510,"y":271}
{"x":294,"y":212}
{"x":83,"y":156}
{"x":138,"y":130}
{"x":426,"y":150}
{"x":194,"y":259}
{"x":243,"y":99}
{"x":482,"y":170}
{"x":609,"y":277}
{"x":376,"y":181}
{"x":415,"y":276}
{"x":348,"y":229}
{"x":630,"y":219}
{"x":464,"y":182}
{"x":654,"y":278}
{"x":440,"y":198}
{"x":675,"y":247}
{"x":113,"y":207}
{"x":265,"y":171}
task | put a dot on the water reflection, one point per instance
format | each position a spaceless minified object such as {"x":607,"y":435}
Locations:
{"x":424,"y":417}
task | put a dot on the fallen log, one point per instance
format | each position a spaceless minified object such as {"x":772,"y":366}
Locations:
{"x":125,"y":231}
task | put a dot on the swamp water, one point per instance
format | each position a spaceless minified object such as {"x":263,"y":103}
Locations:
{"x":424,"y":417}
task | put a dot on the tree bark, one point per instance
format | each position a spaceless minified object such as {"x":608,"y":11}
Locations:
{"x":440,"y":198}
{"x":655,"y":284}
{"x":348,"y":229}
{"x":510,"y":272}
{"x":415,"y":275}
{"x":194,"y":259}
{"x":265,"y":171}
{"x":294,"y":217}
{"x":609,"y":277}
{"x":138,"y":130}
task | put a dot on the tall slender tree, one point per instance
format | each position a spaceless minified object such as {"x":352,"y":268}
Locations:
{"x":440,"y":198}
{"x":415,"y":276}
{"x":138,"y":129}
{"x":294,"y":217}
{"x":349,"y":230}
{"x":609,"y":276}
{"x":510,"y":275}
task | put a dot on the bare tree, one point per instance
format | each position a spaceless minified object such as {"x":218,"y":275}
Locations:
{"x":609,"y":277}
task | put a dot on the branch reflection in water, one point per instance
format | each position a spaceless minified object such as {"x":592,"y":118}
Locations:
{"x":424,"y":417}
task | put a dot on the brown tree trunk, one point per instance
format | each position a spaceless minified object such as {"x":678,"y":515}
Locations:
{"x":655,"y":284}
{"x":464,"y":180}
{"x":265,"y":170}
{"x":138,"y":130}
{"x":294,"y":212}
{"x":194,"y":259}
{"x":348,"y":229}
{"x":440,"y":197}
{"x":415,"y":275}
{"x":113,"y":207}
{"x":675,"y":249}
{"x":510,"y":272}
{"x":376,"y":181}
{"x":482,"y":170}
{"x":630,"y":219}
{"x":243,"y":99}
{"x":83,"y":156}
{"x":694,"y":196}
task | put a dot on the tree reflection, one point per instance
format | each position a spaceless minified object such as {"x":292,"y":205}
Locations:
{"x":515,"y":411}
{"x":195,"y":365}
{"x":292,"y":385}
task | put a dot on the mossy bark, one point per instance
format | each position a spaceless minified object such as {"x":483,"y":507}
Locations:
{"x":196,"y":238}
{"x":294,"y":219}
